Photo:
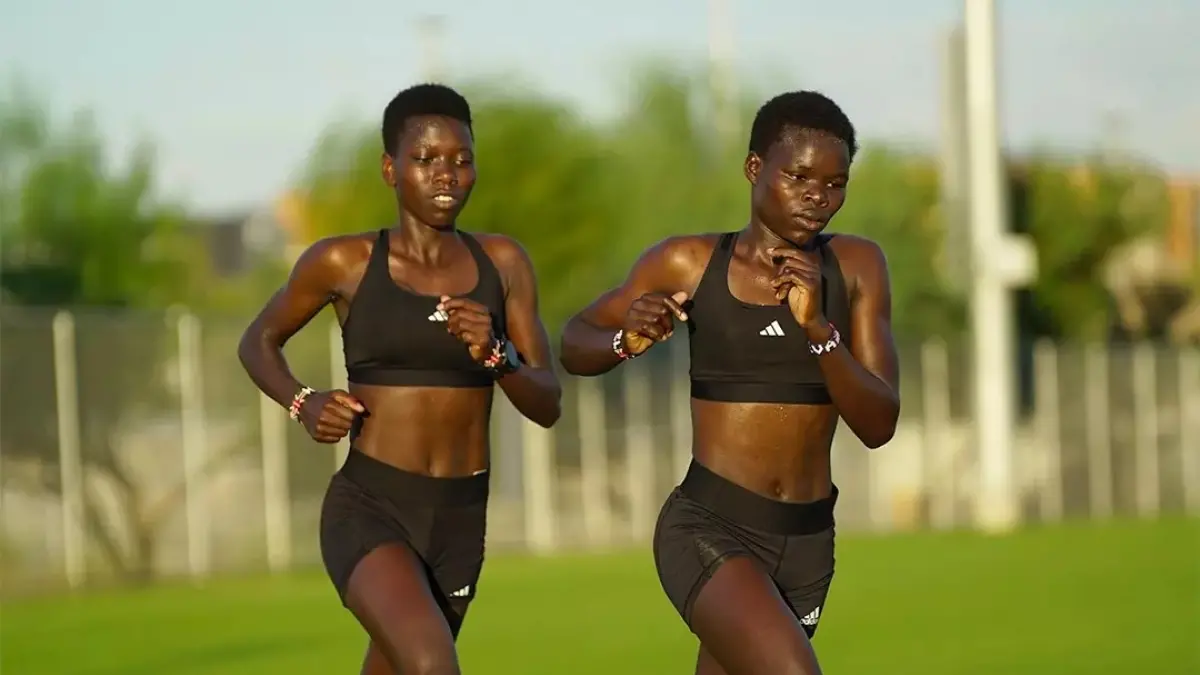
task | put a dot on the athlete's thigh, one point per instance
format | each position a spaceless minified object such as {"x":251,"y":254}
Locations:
{"x":389,"y":594}
{"x":747,"y":627}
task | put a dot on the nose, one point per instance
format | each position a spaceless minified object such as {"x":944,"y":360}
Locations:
{"x":444,"y":175}
{"x":814,"y":195}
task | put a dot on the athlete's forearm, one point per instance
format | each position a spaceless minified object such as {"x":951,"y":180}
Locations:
{"x":587,"y":350}
{"x":869,"y":405}
{"x":264,"y":363}
{"x":535,"y":392}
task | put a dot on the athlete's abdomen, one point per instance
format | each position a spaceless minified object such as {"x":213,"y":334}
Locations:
{"x":780,"y":451}
{"x":439,"y":432}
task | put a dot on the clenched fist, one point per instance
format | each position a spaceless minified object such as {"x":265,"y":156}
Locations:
{"x":328,"y":415}
{"x":651,"y":319}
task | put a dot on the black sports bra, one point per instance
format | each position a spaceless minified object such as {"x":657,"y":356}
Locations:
{"x":756,"y":353}
{"x":395,"y":337}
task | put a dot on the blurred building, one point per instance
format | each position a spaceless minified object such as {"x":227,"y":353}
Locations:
{"x":237,"y":241}
{"x":1153,"y":279}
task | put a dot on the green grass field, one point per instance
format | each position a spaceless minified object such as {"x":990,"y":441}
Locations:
{"x":1079,"y":600}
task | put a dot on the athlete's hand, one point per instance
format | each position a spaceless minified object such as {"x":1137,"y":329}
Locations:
{"x":651,"y":319}
{"x":798,"y":280}
{"x":471,"y":323}
{"x":328,"y":415}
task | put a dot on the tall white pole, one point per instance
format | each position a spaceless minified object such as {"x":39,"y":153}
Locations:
{"x":954,"y":161}
{"x":721,"y":54}
{"x":429,"y":33}
{"x":999,"y":264}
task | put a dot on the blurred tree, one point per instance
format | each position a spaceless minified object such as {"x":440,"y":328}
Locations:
{"x":893,"y":200}
{"x":544,"y":179}
{"x":82,"y":232}
{"x":678,"y":175}
{"x":587,"y":198}
{"x":683,"y":177}
{"x":75,"y":229}
{"x":1079,"y":215}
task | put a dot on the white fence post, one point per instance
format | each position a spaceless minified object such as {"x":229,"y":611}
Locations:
{"x":681,"y":408}
{"x":337,"y":379}
{"x":1145,"y":420}
{"x":276,"y":498}
{"x":1099,"y":431}
{"x":195,"y":445}
{"x":936,"y":455}
{"x":593,"y":460}
{"x":66,"y":386}
{"x":538,"y":466}
{"x":1045,"y":368}
{"x":639,"y":451}
{"x":1189,"y":438}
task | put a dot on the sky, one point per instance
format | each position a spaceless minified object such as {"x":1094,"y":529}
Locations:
{"x":234,"y":93}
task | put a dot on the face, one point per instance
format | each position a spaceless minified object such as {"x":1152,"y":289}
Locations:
{"x":433,"y":170}
{"x":801,"y":183}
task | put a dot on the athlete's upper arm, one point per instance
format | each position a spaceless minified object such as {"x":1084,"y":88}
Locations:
{"x":522,"y":320}
{"x":871,"y":339}
{"x":310,"y":286}
{"x":667,"y":267}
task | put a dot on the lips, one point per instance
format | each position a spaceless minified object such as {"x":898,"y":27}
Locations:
{"x":445,"y":200}
{"x":810,"y":221}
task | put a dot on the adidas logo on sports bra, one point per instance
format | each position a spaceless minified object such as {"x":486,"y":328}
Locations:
{"x":439,"y":316}
{"x":772,"y":330}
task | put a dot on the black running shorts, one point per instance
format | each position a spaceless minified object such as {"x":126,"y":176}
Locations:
{"x":708,"y":520}
{"x":443,"y":520}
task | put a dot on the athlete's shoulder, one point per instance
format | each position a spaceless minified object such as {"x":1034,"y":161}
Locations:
{"x":504,"y":251}
{"x":337,"y":252}
{"x":858,"y":253}
{"x":863,"y":263}
{"x":682,"y":253}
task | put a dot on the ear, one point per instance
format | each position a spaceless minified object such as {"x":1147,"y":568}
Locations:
{"x":753,"y":167}
{"x":388,"y":169}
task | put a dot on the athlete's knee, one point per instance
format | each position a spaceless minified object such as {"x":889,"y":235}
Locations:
{"x":427,"y":662}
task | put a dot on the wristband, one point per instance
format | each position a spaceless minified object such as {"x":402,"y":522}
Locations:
{"x":835,"y":339}
{"x":298,"y":401}
{"x":503,"y":359}
{"x":618,"y":346}
{"x":493,"y":361}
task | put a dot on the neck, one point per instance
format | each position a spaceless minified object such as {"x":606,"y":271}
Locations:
{"x":419,"y":241}
{"x":760,"y":238}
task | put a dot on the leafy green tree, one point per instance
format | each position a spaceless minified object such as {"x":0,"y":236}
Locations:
{"x":684,"y":177}
{"x":80,"y":232}
{"x":1078,"y":215}
{"x":543,"y":179}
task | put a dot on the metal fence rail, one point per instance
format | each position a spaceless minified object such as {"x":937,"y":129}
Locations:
{"x":133,"y":447}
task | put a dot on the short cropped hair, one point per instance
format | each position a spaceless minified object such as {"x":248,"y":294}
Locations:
{"x":800,"y":110}
{"x":419,"y":100}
